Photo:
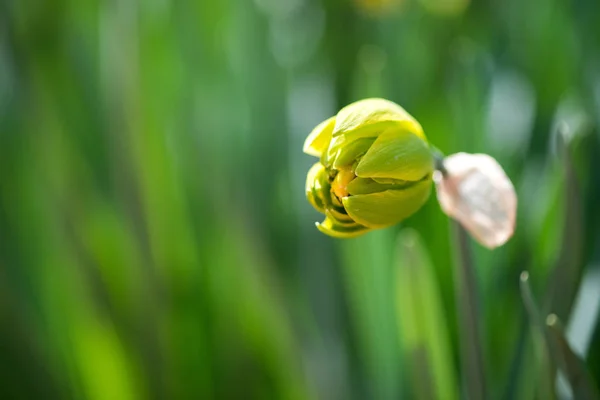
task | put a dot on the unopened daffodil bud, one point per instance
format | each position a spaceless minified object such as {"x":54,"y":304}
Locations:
{"x":375,"y":168}
{"x":474,"y":190}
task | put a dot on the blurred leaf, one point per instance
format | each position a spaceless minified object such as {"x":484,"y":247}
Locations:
{"x":581,"y":382}
{"x":423,"y":325}
{"x":106,"y":368}
{"x":368,"y":273}
{"x":467,"y":302}
{"x":568,"y":265}
{"x":155,"y":241}
{"x":551,"y":333}
{"x":544,"y":366}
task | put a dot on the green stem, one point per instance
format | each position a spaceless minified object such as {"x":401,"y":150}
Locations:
{"x":466,"y":300}
{"x":438,"y":158}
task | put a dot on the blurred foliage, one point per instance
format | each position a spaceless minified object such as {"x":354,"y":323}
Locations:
{"x":155,"y":241}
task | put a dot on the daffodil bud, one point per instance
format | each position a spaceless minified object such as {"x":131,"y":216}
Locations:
{"x":375,"y":168}
{"x":475,"y":191}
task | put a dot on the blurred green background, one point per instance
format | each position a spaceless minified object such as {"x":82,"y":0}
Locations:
{"x":155,"y":240}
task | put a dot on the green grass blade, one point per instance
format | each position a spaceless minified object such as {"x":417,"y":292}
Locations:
{"x":424,"y":329}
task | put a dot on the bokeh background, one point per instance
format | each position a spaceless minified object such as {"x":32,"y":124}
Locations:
{"x":155,"y":240}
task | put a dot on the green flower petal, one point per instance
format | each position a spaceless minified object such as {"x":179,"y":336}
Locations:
{"x":367,"y":186}
{"x":368,"y":112}
{"x":396,"y":154}
{"x":315,"y":190}
{"x":370,"y":131}
{"x":348,"y":154}
{"x":337,"y":230}
{"x":367,"y":119}
{"x":378,"y":210}
{"x":318,"y":140}
{"x":340,"y":217}
{"x":377,"y":153}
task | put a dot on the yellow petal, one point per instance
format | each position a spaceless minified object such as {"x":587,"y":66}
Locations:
{"x":318,"y":140}
{"x":397,"y":154}
{"x":337,"y":230}
{"x":314,"y":187}
{"x":368,"y":119}
{"x":378,"y":210}
{"x":374,"y":111}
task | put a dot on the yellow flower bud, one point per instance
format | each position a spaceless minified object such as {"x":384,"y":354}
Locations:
{"x":375,"y":168}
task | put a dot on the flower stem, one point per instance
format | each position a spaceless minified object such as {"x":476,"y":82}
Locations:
{"x":466,"y":300}
{"x":438,"y":159}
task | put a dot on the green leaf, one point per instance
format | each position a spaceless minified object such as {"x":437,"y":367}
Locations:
{"x":559,"y":350}
{"x":544,"y":368}
{"x":573,"y":367}
{"x":423,"y":325}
